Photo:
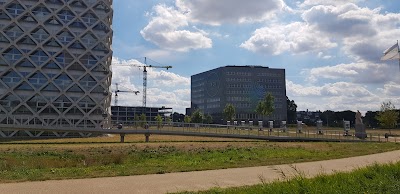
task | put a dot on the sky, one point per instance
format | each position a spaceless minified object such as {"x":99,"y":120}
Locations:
{"x":331,"y":49}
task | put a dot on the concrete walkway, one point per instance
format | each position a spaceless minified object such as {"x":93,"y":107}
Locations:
{"x":199,"y":180}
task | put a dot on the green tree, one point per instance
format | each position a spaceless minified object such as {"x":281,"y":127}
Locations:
{"x":197,"y":116}
{"x":208,"y":118}
{"x":291,"y":111}
{"x":187,"y":119}
{"x":142,"y":120}
{"x":159,"y":120}
{"x":168,"y":120}
{"x":137,"y":120}
{"x":387,"y":116}
{"x":229,"y":112}
{"x":265,"y":106}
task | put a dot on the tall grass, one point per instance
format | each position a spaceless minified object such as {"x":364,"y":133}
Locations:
{"x":373,"y":179}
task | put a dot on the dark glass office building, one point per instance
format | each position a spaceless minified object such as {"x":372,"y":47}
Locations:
{"x":242,"y":86}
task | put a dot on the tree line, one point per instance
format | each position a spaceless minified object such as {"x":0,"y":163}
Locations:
{"x":387,"y":117}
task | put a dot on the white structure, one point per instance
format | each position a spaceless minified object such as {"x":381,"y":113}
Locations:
{"x":299,"y":126}
{"x":55,"y":63}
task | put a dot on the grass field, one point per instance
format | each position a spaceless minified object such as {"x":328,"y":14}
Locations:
{"x":374,"y":179}
{"x":102,"y":157}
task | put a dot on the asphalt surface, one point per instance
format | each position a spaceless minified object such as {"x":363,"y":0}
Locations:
{"x":198,"y":180}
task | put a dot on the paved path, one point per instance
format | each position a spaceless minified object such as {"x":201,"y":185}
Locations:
{"x":199,"y":180}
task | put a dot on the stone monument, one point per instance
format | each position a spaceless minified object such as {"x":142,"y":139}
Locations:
{"x":359,"y":126}
{"x":271,"y":125}
{"x":299,"y":126}
{"x":283,"y":126}
{"x":319,"y":128}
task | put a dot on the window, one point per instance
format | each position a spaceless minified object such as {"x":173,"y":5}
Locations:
{"x":39,"y":57}
{"x":15,"y":9}
{"x":13,"y":32}
{"x":40,"y":35}
{"x":41,"y":12}
{"x":89,"y":19}
{"x":37,"y":80}
{"x":88,"y":61}
{"x":66,"y":16}
{"x":12,"y":55}
{"x":65,"y":37}
{"x":11,"y":78}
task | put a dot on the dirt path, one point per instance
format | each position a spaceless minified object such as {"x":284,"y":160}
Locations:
{"x":199,"y":180}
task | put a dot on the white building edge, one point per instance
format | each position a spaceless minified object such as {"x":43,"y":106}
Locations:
{"x":55,"y":64}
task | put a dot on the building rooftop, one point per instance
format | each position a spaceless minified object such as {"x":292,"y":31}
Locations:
{"x":240,"y":66}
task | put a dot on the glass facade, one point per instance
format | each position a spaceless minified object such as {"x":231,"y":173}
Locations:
{"x":55,"y":63}
{"x":241,"y":86}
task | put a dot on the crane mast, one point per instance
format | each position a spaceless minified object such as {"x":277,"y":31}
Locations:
{"x":144,"y":86}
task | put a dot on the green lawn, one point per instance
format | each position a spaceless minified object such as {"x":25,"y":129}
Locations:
{"x":44,"y":161}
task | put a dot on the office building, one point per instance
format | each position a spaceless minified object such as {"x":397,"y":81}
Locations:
{"x":242,"y":86}
{"x":55,"y":63}
{"x":126,"y":114}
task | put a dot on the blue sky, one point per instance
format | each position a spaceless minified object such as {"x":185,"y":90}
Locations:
{"x":330,"y":49}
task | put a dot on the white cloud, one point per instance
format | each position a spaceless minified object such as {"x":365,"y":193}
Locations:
{"x":323,"y":56}
{"x":164,"y":88}
{"x":307,"y":3}
{"x":336,"y":96}
{"x":296,"y":37}
{"x":230,"y":11}
{"x":166,"y":30}
{"x":364,"y":33}
{"x":359,"y":72}
{"x":360,"y":33}
{"x":391,"y":89}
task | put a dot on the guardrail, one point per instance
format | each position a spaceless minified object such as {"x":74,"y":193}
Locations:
{"x":201,"y":130}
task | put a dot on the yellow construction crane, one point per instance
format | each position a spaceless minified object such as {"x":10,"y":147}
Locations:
{"x":145,"y":66}
{"x":117,"y":90}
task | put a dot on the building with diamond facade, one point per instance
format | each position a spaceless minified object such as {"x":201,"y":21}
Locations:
{"x":241,"y":86}
{"x":55,"y":63}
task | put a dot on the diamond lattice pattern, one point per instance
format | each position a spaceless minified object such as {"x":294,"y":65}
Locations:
{"x":55,"y":62}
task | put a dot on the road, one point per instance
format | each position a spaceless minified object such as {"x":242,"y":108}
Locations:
{"x":198,"y":180}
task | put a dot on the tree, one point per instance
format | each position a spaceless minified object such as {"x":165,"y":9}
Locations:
{"x":265,"y":106}
{"x":291,"y":111}
{"x":387,"y":116}
{"x":142,"y":120}
{"x":370,"y":119}
{"x":168,"y":120}
{"x":159,"y":120}
{"x":229,"y":112}
{"x":176,"y":117}
{"x":208,"y":118}
{"x":197,"y":116}
{"x":187,"y":119}
{"x":328,"y":117}
{"x":137,"y":120}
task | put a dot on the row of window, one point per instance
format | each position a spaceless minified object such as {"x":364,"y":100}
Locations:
{"x":40,"y":57}
{"x":65,"y":37}
{"x":269,"y":80}
{"x":238,"y":79}
{"x":214,"y":100}
{"x":238,"y":92}
{"x":238,"y":99}
{"x":270,"y":74}
{"x":15,"y":9}
{"x":239,"y":73}
{"x":214,"y":105}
